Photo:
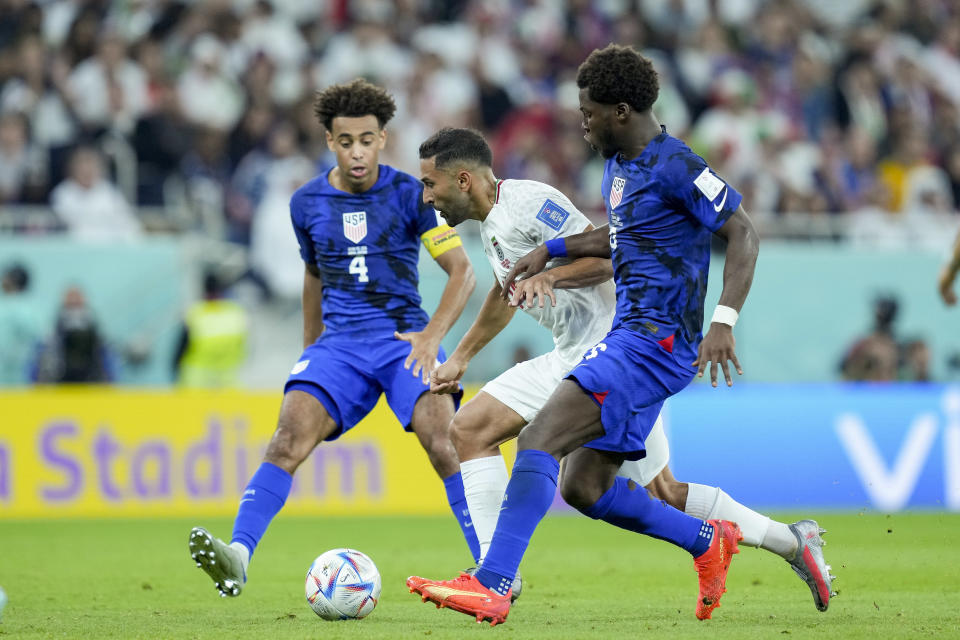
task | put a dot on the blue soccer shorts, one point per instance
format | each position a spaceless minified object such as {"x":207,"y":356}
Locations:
{"x":629,"y":374}
{"x":347,"y":374}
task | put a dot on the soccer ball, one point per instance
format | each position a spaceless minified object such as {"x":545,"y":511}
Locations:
{"x":343,"y":584}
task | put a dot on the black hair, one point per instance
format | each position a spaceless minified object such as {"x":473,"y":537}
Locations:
{"x":451,"y":145}
{"x":18,"y":276}
{"x":353,"y":100}
{"x":618,"y":74}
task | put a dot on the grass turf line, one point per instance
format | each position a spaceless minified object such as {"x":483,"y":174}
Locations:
{"x":134,"y":579}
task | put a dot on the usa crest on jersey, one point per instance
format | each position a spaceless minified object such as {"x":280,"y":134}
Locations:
{"x":616,"y":192}
{"x":355,"y":225}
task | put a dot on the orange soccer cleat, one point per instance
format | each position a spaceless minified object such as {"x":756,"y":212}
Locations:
{"x":712,"y":565}
{"x":464,"y":594}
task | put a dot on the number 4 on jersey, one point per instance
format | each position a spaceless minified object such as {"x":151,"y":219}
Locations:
{"x":358,"y":267}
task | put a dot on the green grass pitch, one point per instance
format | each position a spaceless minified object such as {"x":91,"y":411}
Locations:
{"x":899,"y":578}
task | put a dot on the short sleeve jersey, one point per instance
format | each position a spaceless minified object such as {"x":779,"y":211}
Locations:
{"x":367,"y":248}
{"x":525,"y":215}
{"x":663,"y":207}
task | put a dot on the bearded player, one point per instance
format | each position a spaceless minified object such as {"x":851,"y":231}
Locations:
{"x":515,"y":217}
{"x":663,"y":205}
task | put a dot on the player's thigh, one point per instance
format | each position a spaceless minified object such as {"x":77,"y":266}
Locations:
{"x":405,"y":392}
{"x":482,"y":425}
{"x":587,"y":475}
{"x":568,"y":420}
{"x":337,"y":371}
{"x":526,"y":386}
{"x":646,"y":469}
{"x":303,"y":423}
{"x":432,"y":415}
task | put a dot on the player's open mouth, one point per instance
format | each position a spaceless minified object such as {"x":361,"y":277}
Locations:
{"x":358,"y":172}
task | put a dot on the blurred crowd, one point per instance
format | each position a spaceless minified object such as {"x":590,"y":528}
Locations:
{"x":203,"y":110}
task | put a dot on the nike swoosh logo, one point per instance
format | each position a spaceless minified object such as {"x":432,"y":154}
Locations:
{"x":717,"y":207}
{"x":445,"y":592}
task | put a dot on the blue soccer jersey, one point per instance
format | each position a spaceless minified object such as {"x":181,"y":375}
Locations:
{"x":367,"y":247}
{"x":663,"y":207}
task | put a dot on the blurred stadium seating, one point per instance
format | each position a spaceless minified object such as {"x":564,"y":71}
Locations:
{"x":840,"y":124}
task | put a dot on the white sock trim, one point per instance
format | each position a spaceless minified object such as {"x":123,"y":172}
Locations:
{"x":484,"y":482}
{"x":700,"y":500}
{"x":244,"y":554}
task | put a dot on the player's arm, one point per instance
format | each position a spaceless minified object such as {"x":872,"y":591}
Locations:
{"x":949,"y":273}
{"x":460,"y":284}
{"x":312,"y":304}
{"x":591,"y":243}
{"x":494,"y":315}
{"x":743,"y":245}
{"x":582,"y":272}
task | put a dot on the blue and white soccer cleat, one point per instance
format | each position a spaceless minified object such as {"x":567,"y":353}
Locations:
{"x":809,"y":563}
{"x":221,"y":562}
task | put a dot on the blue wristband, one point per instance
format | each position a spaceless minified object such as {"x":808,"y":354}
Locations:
{"x":556,"y":248}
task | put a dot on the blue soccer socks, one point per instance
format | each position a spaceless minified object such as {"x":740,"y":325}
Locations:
{"x":636,"y":510}
{"x":458,"y":504}
{"x":529,"y":494}
{"x":262,"y":500}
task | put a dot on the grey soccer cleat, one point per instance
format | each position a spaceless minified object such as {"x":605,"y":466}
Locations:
{"x":515,"y":588}
{"x":809,"y":564}
{"x":221,"y":562}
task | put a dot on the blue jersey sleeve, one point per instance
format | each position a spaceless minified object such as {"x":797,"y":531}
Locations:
{"x":691,"y":185}
{"x":297,"y":217}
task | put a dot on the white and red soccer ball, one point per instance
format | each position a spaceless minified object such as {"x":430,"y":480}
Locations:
{"x":343,"y":584}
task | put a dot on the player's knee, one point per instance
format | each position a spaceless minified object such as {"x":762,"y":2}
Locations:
{"x":460,"y":432}
{"x":579,"y":494}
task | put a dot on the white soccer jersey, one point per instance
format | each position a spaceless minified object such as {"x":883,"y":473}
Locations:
{"x":525,"y":215}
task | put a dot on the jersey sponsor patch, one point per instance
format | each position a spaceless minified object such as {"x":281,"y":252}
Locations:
{"x":300,"y":367}
{"x":440,"y":239}
{"x":616,"y":192}
{"x":552,"y":215}
{"x":355,"y":225}
{"x":709,"y":184}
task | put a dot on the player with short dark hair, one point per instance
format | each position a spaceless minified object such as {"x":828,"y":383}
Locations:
{"x":663,"y":204}
{"x":577,"y":303}
{"x":365,"y":334}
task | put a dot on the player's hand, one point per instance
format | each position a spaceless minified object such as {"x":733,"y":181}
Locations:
{"x":532,"y":263}
{"x":446,"y":377}
{"x":717,"y":348}
{"x":945,"y":284}
{"x":539,"y":286}
{"x":423,"y":353}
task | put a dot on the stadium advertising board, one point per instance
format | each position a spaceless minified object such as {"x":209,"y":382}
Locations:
{"x":97,"y":452}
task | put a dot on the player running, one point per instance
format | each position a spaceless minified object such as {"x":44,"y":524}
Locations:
{"x":515,"y":217}
{"x":359,"y":228}
{"x":663,"y":204}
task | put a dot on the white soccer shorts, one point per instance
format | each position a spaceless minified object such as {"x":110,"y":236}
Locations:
{"x":526,"y":386}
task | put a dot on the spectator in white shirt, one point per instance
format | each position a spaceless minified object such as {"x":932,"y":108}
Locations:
{"x":91,"y":207}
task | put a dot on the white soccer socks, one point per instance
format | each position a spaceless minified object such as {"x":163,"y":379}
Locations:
{"x":758,"y":530}
{"x":484,"y":482}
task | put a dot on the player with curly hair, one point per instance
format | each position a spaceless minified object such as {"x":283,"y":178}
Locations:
{"x":664,"y":204}
{"x":365,"y":334}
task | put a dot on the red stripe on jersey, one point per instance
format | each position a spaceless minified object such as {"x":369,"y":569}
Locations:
{"x":497,"y":199}
{"x":600,"y":397}
{"x":667,"y":343}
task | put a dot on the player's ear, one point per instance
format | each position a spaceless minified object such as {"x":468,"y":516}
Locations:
{"x":622,"y":111}
{"x":329,"y":140}
{"x":464,"y":180}
{"x":383,"y":139}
